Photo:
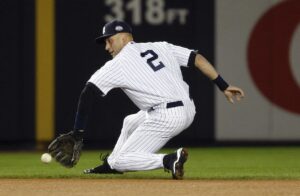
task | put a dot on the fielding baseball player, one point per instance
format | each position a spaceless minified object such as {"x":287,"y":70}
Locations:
{"x":150,"y":75}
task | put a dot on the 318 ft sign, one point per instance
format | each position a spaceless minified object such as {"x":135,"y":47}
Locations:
{"x":155,"y":12}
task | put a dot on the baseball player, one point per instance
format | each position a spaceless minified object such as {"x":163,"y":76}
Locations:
{"x":150,"y":75}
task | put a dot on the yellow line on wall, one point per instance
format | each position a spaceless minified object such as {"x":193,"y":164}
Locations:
{"x":45,"y":63}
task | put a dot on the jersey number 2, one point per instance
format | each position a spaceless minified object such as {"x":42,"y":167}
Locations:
{"x":153,"y":57}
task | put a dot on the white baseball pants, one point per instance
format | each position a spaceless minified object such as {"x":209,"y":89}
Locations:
{"x":145,"y":133}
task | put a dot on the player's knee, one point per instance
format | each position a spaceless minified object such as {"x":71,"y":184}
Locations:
{"x":112,"y":162}
{"x":117,"y":162}
{"x":127,"y":120}
{"x":128,"y":123}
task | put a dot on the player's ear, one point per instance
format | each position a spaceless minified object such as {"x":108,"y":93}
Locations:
{"x":126,"y":37}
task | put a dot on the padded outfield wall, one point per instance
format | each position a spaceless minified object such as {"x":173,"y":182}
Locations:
{"x":48,"y":53}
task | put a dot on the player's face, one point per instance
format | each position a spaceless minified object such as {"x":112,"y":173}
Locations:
{"x":114,"y":45}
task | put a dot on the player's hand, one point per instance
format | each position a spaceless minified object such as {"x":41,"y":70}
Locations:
{"x":233,"y":92}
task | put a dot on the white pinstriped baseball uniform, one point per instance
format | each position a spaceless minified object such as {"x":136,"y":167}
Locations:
{"x":149,"y":73}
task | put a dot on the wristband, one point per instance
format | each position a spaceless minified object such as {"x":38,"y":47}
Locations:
{"x":221,"y":83}
{"x":78,"y":134}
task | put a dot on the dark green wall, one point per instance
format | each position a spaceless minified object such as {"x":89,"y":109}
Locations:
{"x":17,"y":70}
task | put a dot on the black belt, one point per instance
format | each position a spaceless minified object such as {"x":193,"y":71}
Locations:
{"x":174,"y":104}
{"x":170,"y":105}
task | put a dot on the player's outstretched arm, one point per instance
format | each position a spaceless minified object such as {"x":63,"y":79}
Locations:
{"x":87,"y":98}
{"x":230,"y":92}
{"x":66,"y":148}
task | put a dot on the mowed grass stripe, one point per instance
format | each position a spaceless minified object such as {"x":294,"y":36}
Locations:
{"x":204,"y":163}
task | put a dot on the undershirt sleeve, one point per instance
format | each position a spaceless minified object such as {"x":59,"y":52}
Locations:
{"x":86,"y":100}
{"x":192,"y":57}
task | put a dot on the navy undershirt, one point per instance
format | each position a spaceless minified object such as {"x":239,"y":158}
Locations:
{"x":86,"y":100}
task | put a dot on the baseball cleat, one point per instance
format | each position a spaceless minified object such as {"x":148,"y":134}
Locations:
{"x":102,"y":169}
{"x":177,"y":165}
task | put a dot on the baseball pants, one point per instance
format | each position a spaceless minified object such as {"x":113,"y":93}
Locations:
{"x":145,"y":133}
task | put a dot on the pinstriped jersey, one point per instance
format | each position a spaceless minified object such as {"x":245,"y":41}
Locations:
{"x":149,"y":73}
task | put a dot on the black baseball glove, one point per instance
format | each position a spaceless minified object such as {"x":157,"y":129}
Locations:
{"x":66,"y":149}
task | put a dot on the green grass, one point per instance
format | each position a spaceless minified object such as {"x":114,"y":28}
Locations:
{"x":203,"y":163}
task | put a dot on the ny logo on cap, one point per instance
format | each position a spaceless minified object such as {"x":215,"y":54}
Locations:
{"x":103,"y":30}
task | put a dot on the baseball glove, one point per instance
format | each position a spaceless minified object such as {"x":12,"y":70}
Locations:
{"x":66,"y":149}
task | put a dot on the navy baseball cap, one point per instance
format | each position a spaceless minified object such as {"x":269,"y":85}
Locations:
{"x":112,"y":28}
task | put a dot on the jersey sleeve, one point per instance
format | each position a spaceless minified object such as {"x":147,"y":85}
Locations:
{"x":108,"y":77}
{"x":181,"y":54}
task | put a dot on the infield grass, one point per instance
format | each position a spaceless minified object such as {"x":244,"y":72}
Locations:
{"x":203,"y":163}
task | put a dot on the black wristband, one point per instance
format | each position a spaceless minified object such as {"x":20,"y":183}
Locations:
{"x":221,"y":83}
{"x":78,"y":134}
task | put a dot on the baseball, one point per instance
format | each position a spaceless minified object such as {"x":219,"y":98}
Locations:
{"x":46,"y":158}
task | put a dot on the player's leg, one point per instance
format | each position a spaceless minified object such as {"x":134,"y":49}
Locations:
{"x":130,"y":123}
{"x":138,"y":152}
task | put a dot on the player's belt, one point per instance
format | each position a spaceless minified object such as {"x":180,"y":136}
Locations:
{"x":174,"y":104}
{"x":170,"y":105}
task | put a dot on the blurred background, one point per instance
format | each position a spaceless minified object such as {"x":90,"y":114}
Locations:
{"x":48,"y":52}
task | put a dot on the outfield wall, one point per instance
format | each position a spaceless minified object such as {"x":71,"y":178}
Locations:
{"x":258,"y":46}
{"x":48,"y":53}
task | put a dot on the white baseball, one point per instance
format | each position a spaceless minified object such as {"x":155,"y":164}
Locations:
{"x":46,"y":158}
